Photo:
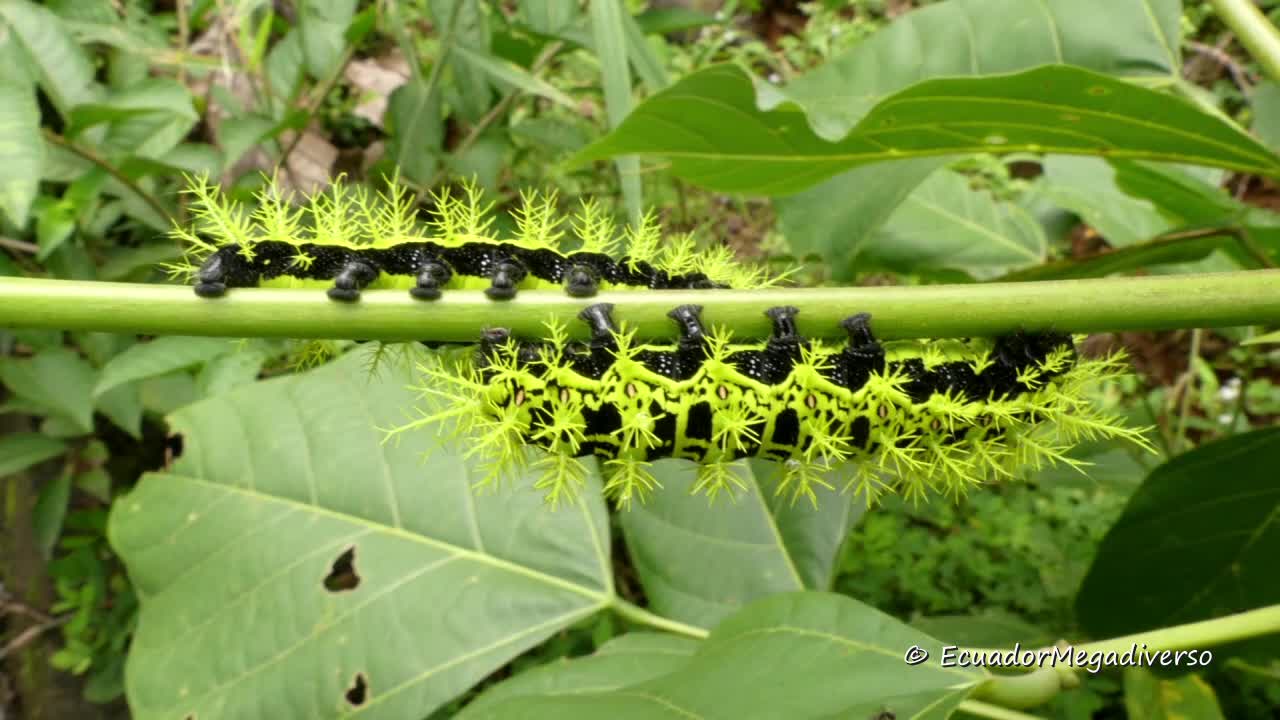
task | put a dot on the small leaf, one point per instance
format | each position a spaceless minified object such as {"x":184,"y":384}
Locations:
{"x":1196,"y":541}
{"x":699,"y":564}
{"x":626,"y":660}
{"x":55,"y":221}
{"x":61,"y":66}
{"x":1053,"y":109}
{"x":1271,"y":337}
{"x":413,"y":113}
{"x":19,"y":451}
{"x":798,"y":655}
{"x":1147,"y":697}
{"x":56,"y":379}
{"x":160,"y":356}
{"x":49,"y":512}
{"x":322,"y":28}
{"x":508,"y":73}
{"x":21,"y":151}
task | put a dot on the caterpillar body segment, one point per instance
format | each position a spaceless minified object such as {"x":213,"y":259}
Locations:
{"x":346,"y":241}
{"x":912,"y":416}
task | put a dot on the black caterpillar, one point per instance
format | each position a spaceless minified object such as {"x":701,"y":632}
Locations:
{"x":917,"y":414}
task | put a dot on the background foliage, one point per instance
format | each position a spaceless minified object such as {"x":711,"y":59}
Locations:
{"x":281,"y":562}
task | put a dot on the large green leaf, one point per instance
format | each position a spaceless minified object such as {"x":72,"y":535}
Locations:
{"x":699,"y":564}
{"x":1125,"y":37}
{"x":57,"y":380}
{"x":290,"y":564}
{"x":147,"y":119}
{"x":626,"y":660}
{"x":59,"y":64}
{"x":947,"y":225}
{"x":160,"y":356}
{"x":21,"y":151}
{"x":711,"y":129}
{"x":1116,"y":37}
{"x":799,"y":655}
{"x":1198,"y":540}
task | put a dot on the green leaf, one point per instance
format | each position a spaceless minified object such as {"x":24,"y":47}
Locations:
{"x":231,"y":549}
{"x":19,"y":451}
{"x":230,"y":371}
{"x":60,"y":65}
{"x":470,"y":28}
{"x":626,"y":660}
{"x":508,"y":73}
{"x":699,"y":564}
{"x":56,"y":379}
{"x":995,"y":629}
{"x":123,"y":405}
{"x":1147,"y":697}
{"x":647,"y":65}
{"x":236,"y":135}
{"x":322,"y":28}
{"x":413,"y":112}
{"x":1053,"y":109}
{"x":1266,"y":112}
{"x":664,"y":20}
{"x":21,"y":151}
{"x":837,"y":217}
{"x":49,"y":512}
{"x":55,"y":221}
{"x":609,"y":39}
{"x":849,"y":207}
{"x":989,"y":37}
{"x":160,"y":356}
{"x":1271,"y":337}
{"x":947,"y":225}
{"x":148,"y":119}
{"x":1196,"y":541}
{"x":799,"y":655}
{"x":1089,"y":188}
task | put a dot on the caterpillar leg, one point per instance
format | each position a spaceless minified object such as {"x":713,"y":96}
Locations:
{"x":689,"y":317}
{"x":581,"y":281}
{"x":351,"y":279}
{"x":864,"y":354}
{"x":506,"y":275}
{"x":211,"y":278}
{"x":432,"y":275}
{"x":600,"y":319}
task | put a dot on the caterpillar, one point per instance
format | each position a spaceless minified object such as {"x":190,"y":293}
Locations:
{"x":348,"y":240}
{"x":914,"y":415}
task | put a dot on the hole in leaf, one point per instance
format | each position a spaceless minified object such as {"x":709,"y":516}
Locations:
{"x":884,"y":715}
{"x":358,"y":692}
{"x":342,"y":576}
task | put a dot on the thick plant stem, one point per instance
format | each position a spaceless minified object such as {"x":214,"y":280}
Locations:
{"x":1145,"y":303}
{"x":1040,"y":685}
{"x":1254,"y":30}
{"x":639,"y":615}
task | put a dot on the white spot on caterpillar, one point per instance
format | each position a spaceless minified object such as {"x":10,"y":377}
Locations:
{"x":811,"y":402}
{"x":632,"y":391}
{"x":723,"y":392}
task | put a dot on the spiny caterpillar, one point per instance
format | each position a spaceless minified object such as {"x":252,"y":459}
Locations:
{"x":347,"y":240}
{"x":915,"y":416}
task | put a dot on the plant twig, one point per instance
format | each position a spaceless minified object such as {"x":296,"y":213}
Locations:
{"x":1188,"y":388}
{"x":1256,"y":33}
{"x":111,"y":170}
{"x":1095,"y":305}
{"x":21,"y":246}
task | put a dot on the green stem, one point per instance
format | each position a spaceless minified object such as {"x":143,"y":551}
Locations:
{"x":93,"y":157}
{"x":978,"y":708}
{"x":1257,"y":34}
{"x":1042,"y":684}
{"x":639,"y":615}
{"x":1129,"y":303}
